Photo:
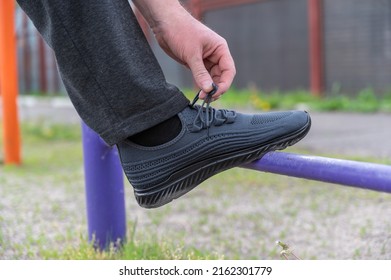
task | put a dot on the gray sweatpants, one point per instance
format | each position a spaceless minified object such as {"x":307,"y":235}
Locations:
{"x":110,"y":73}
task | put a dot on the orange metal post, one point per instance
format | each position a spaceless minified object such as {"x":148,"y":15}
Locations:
{"x":9,"y":84}
{"x":315,"y":17}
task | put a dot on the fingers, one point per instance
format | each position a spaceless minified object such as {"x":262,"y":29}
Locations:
{"x":223,"y":80}
{"x":227,"y":73}
{"x":221,"y":69}
{"x":200,"y":73}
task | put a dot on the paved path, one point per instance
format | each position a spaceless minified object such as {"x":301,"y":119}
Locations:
{"x":350,"y":134}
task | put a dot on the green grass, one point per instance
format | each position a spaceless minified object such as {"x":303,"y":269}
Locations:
{"x":148,"y":248}
{"x":364,"y":101}
{"x":47,"y":131}
{"x":46,"y":147}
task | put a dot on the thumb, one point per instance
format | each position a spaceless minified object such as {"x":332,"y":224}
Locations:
{"x":201,"y":76}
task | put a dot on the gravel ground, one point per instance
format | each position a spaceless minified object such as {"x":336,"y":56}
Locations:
{"x":237,"y":214}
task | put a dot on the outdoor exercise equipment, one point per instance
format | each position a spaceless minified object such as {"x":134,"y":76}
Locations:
{"x":104,"y":184}
{"x":364,"y":175}
{"x":9,"y":83}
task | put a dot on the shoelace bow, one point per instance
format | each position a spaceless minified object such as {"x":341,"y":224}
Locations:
{"x":207,"y":115}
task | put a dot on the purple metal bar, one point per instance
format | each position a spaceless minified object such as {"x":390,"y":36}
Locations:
{"x":104,"y":191}
{"x":345,"y":172}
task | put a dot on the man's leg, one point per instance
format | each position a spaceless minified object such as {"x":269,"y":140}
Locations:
{"x":107,"y":66}
{"x":119,"y":90}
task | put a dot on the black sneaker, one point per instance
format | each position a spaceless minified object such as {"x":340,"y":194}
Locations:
{"x":210,"y":142}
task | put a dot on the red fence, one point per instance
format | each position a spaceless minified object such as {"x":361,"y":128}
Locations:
{"x":36,"y":62}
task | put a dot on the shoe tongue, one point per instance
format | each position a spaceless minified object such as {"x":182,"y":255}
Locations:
{"x":188,"y":114}
{"x":191,"y":117}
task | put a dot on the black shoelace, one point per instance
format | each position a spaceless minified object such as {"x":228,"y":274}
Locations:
{"x":207,"y":115}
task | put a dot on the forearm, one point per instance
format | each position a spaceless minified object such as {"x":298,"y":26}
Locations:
{"x":160,"y":12}
{"x":191,"y":43}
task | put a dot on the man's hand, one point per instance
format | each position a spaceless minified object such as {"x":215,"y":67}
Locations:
{"x":190,"y":43}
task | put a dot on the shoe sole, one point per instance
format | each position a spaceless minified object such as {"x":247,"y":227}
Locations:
{"x":186,"y":179}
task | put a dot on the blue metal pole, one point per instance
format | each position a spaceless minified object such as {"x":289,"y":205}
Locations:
{"x":104,"y":191}
{"x":345,"y":172}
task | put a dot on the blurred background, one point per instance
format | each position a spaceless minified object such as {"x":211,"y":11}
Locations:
{"x":270,"y":42}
